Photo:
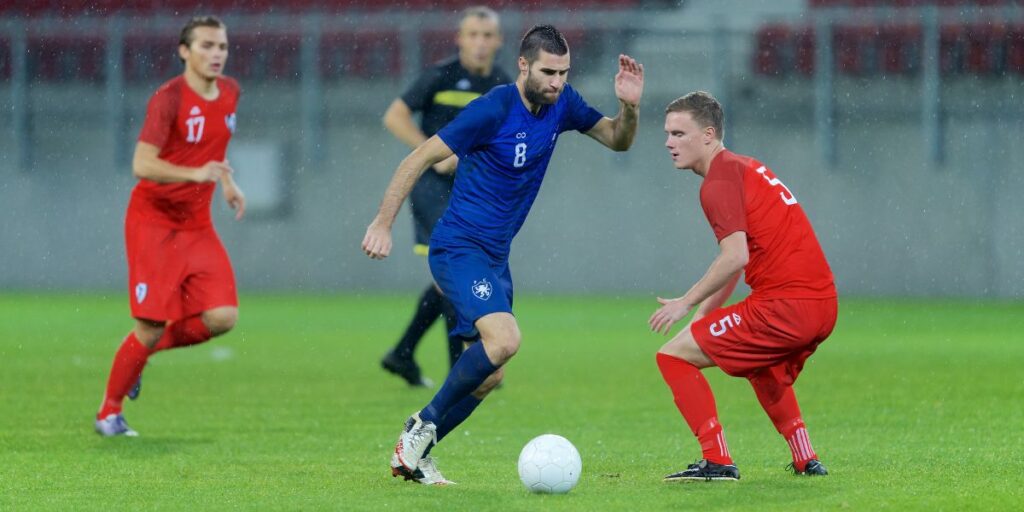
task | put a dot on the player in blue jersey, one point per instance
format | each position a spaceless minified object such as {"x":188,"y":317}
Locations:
{"x":439,"y":94}
{"x":504,"y":141}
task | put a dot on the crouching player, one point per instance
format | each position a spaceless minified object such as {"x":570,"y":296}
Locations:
{"x":767,"y":337}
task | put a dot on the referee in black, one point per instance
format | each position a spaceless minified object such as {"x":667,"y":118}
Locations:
{"x":439,"y":94}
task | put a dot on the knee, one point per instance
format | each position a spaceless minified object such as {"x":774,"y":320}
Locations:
{"x":505,"y":346}
{"x":149,"y":333}
{"x":489,"y":384}
{"x":220,"y":320}
{"x":684,"y":347}
{"x":500,"y":336}
{"x":767,"y":386}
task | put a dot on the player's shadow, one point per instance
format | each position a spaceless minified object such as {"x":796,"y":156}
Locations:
{"x":149,"y":446}
{"x":768,"y":490}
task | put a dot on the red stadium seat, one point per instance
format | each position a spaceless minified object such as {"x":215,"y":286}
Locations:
{"x":66,"y":59}
{"x":900,"y":49}
{"x":852,"y":44}
{"x":951,"y":49}
{"x":365,"y":55}
{"x":436,"y":45}
{"x":265,"y":56}
{"x":902,"y":3}
{"x":804,"y":49}
{"x":150,"y":56}
{"x":769,"y":58}
{"x":1015,"y":50}
{"x":984,"y":49}
{"x":5,"y":59}
{"x":70,"y":8}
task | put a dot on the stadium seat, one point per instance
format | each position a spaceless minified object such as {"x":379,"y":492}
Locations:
{"x":70,"y":8}
{"x":363,"y":54}
{"x":991,"y":48}
{"x":769,"y":57}
{"x":1015,"y":50}
{"x":853,"y":46}
{"x":66,"y":59}
{"x":899,"y":49}
{"x":147,"y":57}
{"x":5,"y":59}
{"x":804,"y":48}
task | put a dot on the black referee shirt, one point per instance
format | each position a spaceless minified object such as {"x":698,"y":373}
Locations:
{"x":444,"y":89}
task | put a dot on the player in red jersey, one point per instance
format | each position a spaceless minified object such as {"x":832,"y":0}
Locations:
{"x":767,"y":337}
{"x":180,"y":281}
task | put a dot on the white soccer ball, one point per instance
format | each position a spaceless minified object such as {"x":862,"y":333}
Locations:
{"x":550,"y":464}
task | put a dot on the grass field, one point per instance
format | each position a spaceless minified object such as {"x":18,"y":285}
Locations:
{"x":911,"y":404}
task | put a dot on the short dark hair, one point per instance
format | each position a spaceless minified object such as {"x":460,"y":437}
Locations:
{"x":704,"y":108}
{"x":542,"y":37}
{"x":480,"y":11}
{"x":198,"y":21}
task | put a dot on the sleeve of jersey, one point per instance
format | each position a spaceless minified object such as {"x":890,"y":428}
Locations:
{"x":723,"y":206}
{"x":474,"y":126}
{"x":159,"y":119}
{"x":579,"y":115}
{"x":419,"y":94}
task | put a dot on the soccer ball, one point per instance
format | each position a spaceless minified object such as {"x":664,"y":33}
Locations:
{"x":549,"y":464}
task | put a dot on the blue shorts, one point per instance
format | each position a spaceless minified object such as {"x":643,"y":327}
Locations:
{"x":474,"y":282}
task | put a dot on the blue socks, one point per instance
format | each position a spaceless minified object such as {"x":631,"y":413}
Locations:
{"x":472,"y":368}
{"x":454,"y":418}
{"x":457,"y":415}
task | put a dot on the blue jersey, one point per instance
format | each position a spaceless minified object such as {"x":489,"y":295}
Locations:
{"x":503,"y":152}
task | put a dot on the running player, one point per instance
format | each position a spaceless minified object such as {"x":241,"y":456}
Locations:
{"x":181,"y":285}
{"x":439,"y":94}
{"x":504,"y":141}
{"x":766,"y":338}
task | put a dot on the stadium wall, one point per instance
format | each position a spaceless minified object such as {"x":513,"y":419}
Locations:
{"x":891,"y":222}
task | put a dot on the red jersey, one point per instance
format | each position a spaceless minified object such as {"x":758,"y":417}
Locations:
{"x":190,"y":131}
{"x":786,"y":262}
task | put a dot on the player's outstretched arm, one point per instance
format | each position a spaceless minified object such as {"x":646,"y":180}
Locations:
{"x":377,"y":242}
{"x":147,"y":164}
{"x":618,"y":133}
{"x":731,"y":259}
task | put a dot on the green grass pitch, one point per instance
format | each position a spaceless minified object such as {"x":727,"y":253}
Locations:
{"x":911,"y":404}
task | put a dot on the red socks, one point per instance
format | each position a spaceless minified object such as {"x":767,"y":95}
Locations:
{"x":132,"y":356}
{"x":183,"y":333}
{"x":799,"y":444}
{"x":695,"y":401}
{"x":128,"y":364}
{"x":779,"y":402}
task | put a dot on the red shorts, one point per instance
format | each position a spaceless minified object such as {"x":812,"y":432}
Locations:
{"x":176,"y":273}
{"x":754,"y":335}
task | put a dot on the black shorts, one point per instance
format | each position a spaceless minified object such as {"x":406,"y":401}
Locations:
{"x":429,"y":200}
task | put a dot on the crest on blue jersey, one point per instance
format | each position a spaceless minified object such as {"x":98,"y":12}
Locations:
{"x":140,"y":292}
{"x":482,"y":289}
{"x":230,"y":121}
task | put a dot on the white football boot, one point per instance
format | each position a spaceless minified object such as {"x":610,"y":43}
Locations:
{"x":114,"y":425}
{"x":427,"y":473}
{"x":414,"y":440}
